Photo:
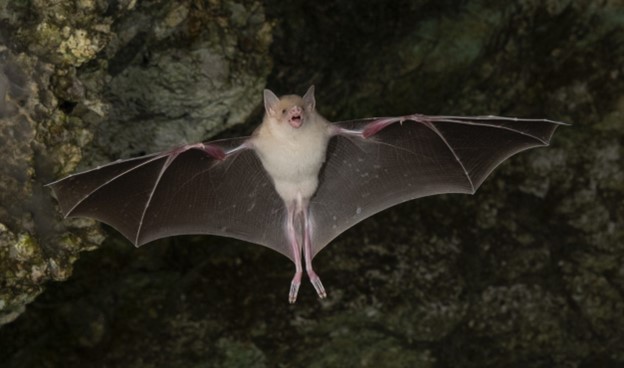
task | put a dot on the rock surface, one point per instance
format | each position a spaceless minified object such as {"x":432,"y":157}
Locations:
{"x":528,"y":272}
{"x":72,"y":81}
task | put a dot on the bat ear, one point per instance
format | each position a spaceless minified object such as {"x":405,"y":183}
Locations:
{"x":270,"y":101}
{"x":308,"y":99}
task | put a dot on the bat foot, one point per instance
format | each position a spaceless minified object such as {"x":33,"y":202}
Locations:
{"x":318,"y":286}
{"x":294,"y":290}
{"x":294,"y":287}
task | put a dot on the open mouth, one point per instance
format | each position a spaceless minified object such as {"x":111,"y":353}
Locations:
{"x":295,"y":121}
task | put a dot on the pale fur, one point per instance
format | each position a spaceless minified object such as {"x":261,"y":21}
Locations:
{"x":293,"y":157}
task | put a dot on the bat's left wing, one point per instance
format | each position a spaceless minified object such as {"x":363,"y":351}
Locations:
{"x":217,"y":188}
{"x":375,"y":163}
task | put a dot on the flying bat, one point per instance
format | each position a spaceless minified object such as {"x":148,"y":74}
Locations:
{"x":299,"y":180}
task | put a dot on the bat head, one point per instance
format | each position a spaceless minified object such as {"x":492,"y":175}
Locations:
{"x":290,"y":109}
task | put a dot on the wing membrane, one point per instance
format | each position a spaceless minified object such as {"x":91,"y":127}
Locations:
{"x":409,"y":158}
{"x":184,"y":191}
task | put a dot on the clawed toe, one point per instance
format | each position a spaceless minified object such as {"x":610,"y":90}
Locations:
{"x":294,"y":290}
{"x":318,"y":286}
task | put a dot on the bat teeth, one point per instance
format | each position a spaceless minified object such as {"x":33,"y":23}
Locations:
{"x":295,"y":121}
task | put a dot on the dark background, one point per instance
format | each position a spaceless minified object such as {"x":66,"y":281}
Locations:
{"x":526,"y":273}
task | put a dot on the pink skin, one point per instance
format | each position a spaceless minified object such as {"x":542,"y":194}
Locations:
{"x":307,"y":252}
{"x":295,"y":116}
{"x":299,"y":210}
{"x":292,"y":238}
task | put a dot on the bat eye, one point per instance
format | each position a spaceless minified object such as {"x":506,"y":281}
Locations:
{"x":284,"y":111}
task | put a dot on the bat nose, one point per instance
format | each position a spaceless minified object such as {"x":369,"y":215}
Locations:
{"x":295,"y":110}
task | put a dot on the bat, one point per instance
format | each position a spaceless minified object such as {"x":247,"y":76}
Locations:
{"x":298,"y":181}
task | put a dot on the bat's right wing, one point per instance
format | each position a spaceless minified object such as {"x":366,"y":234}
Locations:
{"x":376,"y":163}
{"x":217,"y":188}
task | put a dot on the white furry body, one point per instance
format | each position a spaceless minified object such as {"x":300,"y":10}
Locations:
{"x":293,"y":157}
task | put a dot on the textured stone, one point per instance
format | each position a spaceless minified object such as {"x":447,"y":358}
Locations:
{"x":67,"y":84}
